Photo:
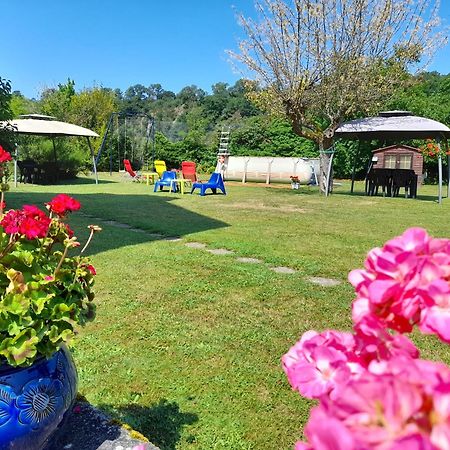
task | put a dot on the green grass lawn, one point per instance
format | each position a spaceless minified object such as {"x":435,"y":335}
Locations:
{"x":186,"y":346}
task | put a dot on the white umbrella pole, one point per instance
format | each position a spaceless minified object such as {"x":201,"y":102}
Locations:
{"x":16,"y":154}
{"x":93,"y":160}
{"x":448,"y":168}
{"x":440,"y":177}
{"x":448,"y":176}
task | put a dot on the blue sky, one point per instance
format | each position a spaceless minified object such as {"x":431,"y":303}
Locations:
{"x":117,"y":44}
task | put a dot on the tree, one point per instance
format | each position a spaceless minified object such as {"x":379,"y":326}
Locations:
{"x":6,"y":135}
{"x":56,"y":102}
{"x":21,"y":105}
{"x":319,"y":62}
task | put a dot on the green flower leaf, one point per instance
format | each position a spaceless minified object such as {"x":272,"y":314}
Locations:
{"x":39,"y":299}
{"x":15,"y":304}
{"x":19,"y":349}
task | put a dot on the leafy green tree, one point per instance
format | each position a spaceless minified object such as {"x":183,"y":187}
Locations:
{"x":260,"y":136}
{"x":427,"y":95}
{"x":6,"y":136}
{"x":56,"y":102}
{"x":191,"y":94}
{"x":22,"y":105}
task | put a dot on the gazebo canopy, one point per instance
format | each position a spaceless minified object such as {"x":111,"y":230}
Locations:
{"x":46,"y":126}
{"x":392,"y":125}
{"x":40,"y":125}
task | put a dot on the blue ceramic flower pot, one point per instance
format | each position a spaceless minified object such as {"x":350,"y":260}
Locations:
{"x":34,"y":400}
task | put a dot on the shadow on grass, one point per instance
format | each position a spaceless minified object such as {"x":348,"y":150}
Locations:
{"x":160,"y":423}
{"x":85,"y":180}
{"x":147,"y":217}
{"x":73,"y":181}
{"x":426,"y":198}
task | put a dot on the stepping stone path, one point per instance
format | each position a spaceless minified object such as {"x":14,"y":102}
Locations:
{"x":282,"y":269}
{"x":125,"y":226}
{"x":220,"y":251}
{"x":249,"y":260}
{"x":327,"y":282}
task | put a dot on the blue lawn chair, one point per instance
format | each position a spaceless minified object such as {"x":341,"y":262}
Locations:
{"x":215,"y":182}
{"x":167,"y":179}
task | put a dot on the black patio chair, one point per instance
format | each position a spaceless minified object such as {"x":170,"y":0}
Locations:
{"x":406,"y":179}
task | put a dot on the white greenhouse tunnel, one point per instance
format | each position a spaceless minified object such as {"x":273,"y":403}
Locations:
{"x":269,"y":169}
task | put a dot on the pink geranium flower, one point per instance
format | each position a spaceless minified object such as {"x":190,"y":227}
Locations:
{"x":382,"y":411}
{"x":406,"y":283}
{"x":374,"y":392}
{"x":319,"y":363}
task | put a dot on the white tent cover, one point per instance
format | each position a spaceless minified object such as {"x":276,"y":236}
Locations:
{"x":393,"y":125}
{"x":46,"y":127}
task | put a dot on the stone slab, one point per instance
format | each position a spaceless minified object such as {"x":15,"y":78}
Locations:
{"x":249,"y":260}
{"x":321,"y":281}
{"x":195,"y":245}
{"x":117,"y":224}
{"x":282,"y":269}
{"x":220,"y":251}
{"x":87,"y":428}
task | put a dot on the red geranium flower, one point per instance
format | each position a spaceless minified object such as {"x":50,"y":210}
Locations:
{"x":35,"y":224}
{"x":12,"y":221}
{"x":62,"y":204}
{"x":91,"y":269}
{"x":4,"y":155}
{"x":69,"y":231}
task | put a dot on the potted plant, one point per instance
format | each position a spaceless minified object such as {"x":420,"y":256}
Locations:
{"x":45,"y":295}
{"x":295,"y":182}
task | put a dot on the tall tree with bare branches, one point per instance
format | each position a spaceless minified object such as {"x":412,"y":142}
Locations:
{"x":319,"y":62}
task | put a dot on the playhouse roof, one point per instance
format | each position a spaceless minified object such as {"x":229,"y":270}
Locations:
{"x":394,"y":147}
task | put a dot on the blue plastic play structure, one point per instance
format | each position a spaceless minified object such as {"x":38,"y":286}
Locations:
{"x":215,"y":182}
{"x":167,"y":179}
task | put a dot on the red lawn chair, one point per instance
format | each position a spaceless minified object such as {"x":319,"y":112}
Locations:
{"x":130,"y":171}
{"x":188,"y":171}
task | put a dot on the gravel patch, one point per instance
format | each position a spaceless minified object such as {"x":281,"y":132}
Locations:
{"x":328,"y":282}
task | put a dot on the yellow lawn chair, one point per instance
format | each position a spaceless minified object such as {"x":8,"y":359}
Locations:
{"x":160,"y":167}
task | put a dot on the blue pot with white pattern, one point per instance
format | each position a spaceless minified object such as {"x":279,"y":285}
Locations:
{"x":35,"y":399}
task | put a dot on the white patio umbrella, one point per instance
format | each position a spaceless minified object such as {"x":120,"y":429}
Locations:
{"x":391,"y":125}
{"x":40,"y":125}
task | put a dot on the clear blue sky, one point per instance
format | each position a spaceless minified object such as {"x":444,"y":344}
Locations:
{"x":120,"y":43}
